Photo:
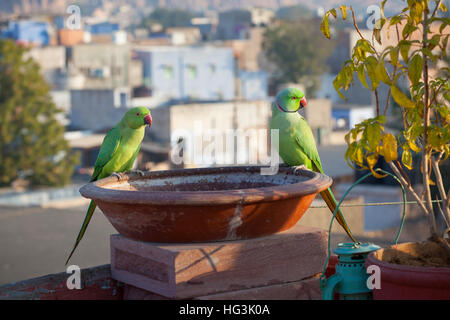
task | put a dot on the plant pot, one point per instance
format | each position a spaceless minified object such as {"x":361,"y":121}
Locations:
{"x":412,"y":281}
{"x":206,"y":204}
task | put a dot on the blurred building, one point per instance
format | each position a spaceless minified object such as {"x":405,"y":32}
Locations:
{"x":105,"y":28}
{"x":206,"y":27}
{"x":262,"y":16}
{"x":248,"y":52}
{"x":253,"y":85}
{"x":181,"y":123}
{"x":69,"y":37}
{"x":99,"y":109}
{"x":28,"y":32}
{"x":347,"y":115}
{"x":184,"y":36}
{"x":52,"y":62}
{"x":105,"y":66}
{"x":318,"y":114}
{"x":192,"y":122}
{"x":188,"y":73}
{"x":234,"y":24}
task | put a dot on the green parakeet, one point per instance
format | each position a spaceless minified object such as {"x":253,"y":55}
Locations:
{"x":117,"y":153}
{"x":296,"y":144}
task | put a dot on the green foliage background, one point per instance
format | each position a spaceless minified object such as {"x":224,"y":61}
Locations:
{"x":32,"y":144}
{"x":168,"y":18}
{"x":299,"y":51}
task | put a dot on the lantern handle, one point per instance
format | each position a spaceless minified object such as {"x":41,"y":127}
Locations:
{"x":329,"y":285}
{"x":342,"y":199}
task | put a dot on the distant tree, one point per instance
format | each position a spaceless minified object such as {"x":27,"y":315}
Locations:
{"x":32,"y":144}
{"x":168,"y":18}
{"x":298,"y":51}
{"x":294,"y":13}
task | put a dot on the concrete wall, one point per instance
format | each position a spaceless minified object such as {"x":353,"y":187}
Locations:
{"x":253,"y":85}
{"x":188,"y":73}
{"x":96,"y":109}
{"x":196,"y":123}
{"x":113,"y":61}
{"x":51,"y":57}
{"x":318,"y":115}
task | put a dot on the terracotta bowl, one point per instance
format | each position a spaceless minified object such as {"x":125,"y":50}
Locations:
{"x":206,"y":204}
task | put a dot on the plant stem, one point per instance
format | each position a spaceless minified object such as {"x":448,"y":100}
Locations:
{"x":355,"y":25}
{"x":436,"y":9}
{"x":426,"y":123}
{"x":377,"y":102}
{"x":440,"y":185}
{"x":408,"y":187}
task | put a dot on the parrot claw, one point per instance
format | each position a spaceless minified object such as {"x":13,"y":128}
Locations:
{"x":117,"y":175}
{"x":139,"y":172}
{"x":297,"y":168}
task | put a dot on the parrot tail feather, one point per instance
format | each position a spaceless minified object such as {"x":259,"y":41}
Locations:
{"x":86,"y":221}
{"x":329,"y":199}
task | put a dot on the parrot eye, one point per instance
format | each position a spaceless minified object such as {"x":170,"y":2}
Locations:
{"x":293,"y":98}
{"x":137,"y":113}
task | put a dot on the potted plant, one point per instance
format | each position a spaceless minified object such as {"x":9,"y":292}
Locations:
{"x":406,"y":54}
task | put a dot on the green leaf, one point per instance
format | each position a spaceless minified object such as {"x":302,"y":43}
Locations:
{"x":407,"y":158}
{"x":349,"y":154}
{"x":325,"y":27}
{"x":359,"y":156}
{"x":394,"y":55}
{"x":372,"y":161}
{"x":361,"y":48}
{"x":343,"y":11}
{"x":444,"y":45}
{"x":373,"y":134}
{"x":389,"y":147}
{"x":443,"y":25}
{"x":401,"y":98}
{"x":408,"y":29}
{"x":371,"y":64}
{"x":377,"y":34}
{"x":337,"y":85}
{"x":416,"y":9}
{"x":395,"y":20}
{"x":381,"y":73}
{"x":404,"y":49}
{"x":429,"y":54}
{"x":413,"y":146}
{"x":333,"y":12}
{"x":362,"y":75}
{"x":415,"y":69}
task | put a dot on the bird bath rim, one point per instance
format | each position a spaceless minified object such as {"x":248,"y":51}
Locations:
{"x":99,"y":190}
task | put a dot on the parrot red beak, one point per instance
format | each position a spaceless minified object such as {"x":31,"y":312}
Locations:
{"x":303,"y":102}
{"x":148,"y":119}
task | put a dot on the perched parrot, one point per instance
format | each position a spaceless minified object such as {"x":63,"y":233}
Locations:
{"x":296,"y":145}
{"x":117,"y":154}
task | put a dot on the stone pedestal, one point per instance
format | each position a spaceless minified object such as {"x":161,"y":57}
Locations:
{"x":280,"y":266}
